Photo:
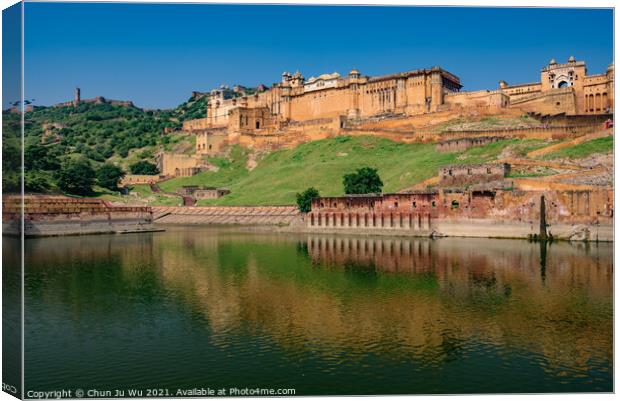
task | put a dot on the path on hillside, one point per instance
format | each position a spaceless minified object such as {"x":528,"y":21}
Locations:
{"x":567,"y":144}
{"x":186,"y":199}
{"x":541,"y":163}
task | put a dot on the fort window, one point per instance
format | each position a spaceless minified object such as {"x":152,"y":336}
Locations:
{"x":488,"y":170}
{"x":433,"y":204}
{"x":335,"y":204}
{"x":395,"y":204}
{"x":450,"y":172}
{"x":257,"y":124}
{"x":468,"y":171}
{"x":415,"y":205}
{"x":455,"y":204}
{"x":562,"y":84}
{"x":557,"y":103}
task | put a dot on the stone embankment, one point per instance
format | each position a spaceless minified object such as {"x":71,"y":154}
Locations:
{"x":227,"y":215}
{"x":61,"y":215}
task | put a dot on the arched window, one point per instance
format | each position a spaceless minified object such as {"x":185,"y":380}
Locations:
{"x":562,"y":84}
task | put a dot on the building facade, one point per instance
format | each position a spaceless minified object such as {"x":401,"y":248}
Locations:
{"x":565,"y":88}
{"x":331,"y":96}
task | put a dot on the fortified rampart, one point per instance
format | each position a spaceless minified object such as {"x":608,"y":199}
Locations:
{"x":295,"y":101}
{"x":460,"y":212}
{"x":60,"y":215}
{"x":459,"y":175}
{"x":426,"y":136}
{"x":462,"y":144}
{"x":179,"y":165}
{"x":137,"y":179}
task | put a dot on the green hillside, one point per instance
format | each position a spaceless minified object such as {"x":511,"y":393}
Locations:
{"x":599,"y":145}
{"x":281,"y":174}
{"x":98,"y":133}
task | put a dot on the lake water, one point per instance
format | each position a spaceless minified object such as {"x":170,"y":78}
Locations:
{"x":215,"y":308}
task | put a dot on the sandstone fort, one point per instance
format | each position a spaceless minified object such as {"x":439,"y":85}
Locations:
{"x":297,"y":109}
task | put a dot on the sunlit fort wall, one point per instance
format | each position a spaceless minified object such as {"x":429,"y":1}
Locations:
{"x":563,"y":88}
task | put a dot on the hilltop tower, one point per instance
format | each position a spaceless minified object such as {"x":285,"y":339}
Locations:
{"x":77,"y":99}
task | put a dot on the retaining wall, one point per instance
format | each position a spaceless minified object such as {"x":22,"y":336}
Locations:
{"x":58,"y":215}
{"x":227,"y":215}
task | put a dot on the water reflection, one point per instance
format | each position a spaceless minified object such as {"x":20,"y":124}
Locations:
{"x":353,"y":314}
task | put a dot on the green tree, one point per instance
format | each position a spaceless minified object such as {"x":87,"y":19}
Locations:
{"x":144,"y":167}
{"x":35,"y":182}
{"x":109,"y":175}
{"x":76,"y":177}
{"x":365,"y":180}
{"x":304,"y":199}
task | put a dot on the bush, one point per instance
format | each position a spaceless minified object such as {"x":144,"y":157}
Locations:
{"x":109,"y":175}
{"x":304,"y":199}
{"x":35,"y":182}
{"x":365,"y":180}
{"x":76,"y":177}
{"x":144,"y":168}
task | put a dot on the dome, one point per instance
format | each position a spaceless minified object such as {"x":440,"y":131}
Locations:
{"x":571,"y":59}
{"x":354,"y":72}
{"x":552,"y":62}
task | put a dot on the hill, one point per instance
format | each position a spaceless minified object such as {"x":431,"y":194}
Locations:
{"x":279,"y":175}
{"x":97,"y":132}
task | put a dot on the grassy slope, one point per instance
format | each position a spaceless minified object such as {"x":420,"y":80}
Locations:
{"x":598,"y":145}
{"x":281,"y":174}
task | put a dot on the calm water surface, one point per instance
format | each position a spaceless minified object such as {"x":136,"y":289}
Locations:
{"x":198,"y":307}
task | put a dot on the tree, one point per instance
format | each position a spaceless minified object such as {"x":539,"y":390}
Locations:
{"x":364,"y":181}
{"x":76,"y":177}
{"x":304,"y":199}
{"x":109,"y":175}
{"x":144,"y":167}
{"x":35,"y":182}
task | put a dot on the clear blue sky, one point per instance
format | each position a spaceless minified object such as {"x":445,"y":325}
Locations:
{"x":156,"y":55}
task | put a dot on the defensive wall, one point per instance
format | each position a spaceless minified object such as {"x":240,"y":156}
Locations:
{"x":457,"y":212}
{"x":137,"y":179}
{"x":462,"y":144}
{"x":460,"y":175}
{"x":426,"y":136}
{"x":60,"y":215}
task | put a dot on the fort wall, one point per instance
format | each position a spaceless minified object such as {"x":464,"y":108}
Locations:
{"x":136,"y":179}
{"x":179,"y":165}
{"x":59,"y":215}
{"x":459,"y":175}
{"x":418,"y":213}
{"x":462,"y":144}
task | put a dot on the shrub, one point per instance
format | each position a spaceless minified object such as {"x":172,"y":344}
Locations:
{"x":365,"y":180}
{"x":304,"y":199}
{"x":144,"y":167}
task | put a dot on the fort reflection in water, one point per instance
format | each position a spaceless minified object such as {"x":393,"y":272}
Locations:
{"x":326,"y":314}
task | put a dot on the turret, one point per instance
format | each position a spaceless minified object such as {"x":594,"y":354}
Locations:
{"x":77,"y":98}
{"x":436,"y":89}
